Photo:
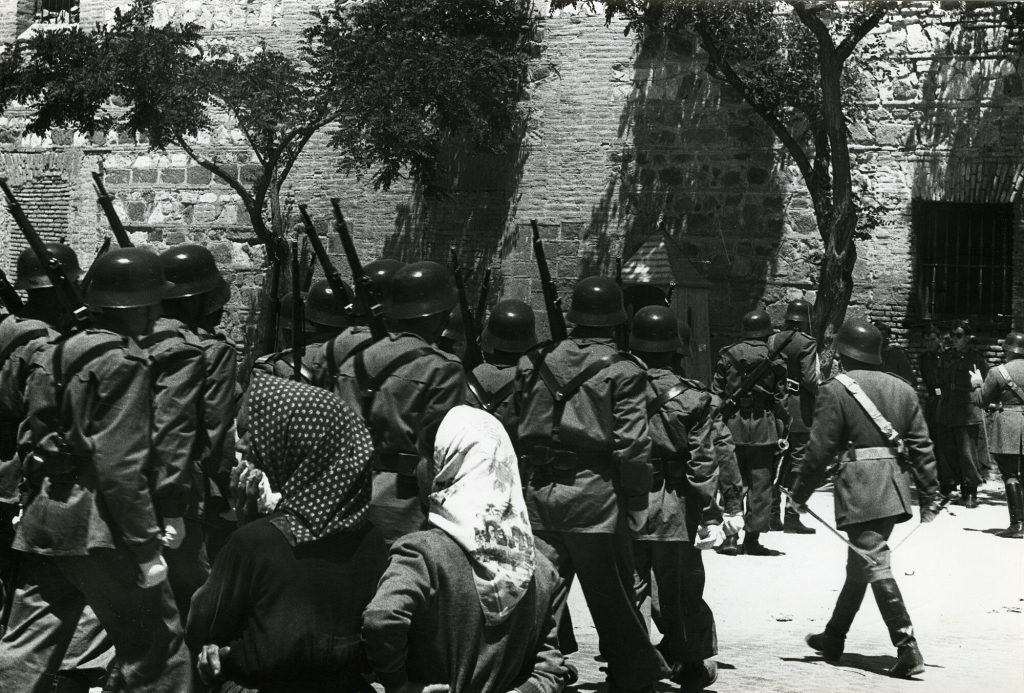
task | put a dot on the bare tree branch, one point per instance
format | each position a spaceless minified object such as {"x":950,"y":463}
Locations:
{"x":861,"y":29}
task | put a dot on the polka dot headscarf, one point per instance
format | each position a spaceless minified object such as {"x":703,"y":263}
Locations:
{"x":315,"y":452}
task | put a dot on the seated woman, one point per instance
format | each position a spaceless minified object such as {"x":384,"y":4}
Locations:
{"x":468,"y":602}
{"x":281,"y":609}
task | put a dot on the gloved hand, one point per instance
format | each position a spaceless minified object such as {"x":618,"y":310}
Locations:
{"x":930,"y":510}
{"x":152,"y":573}
{"x":174,"y":532}
{"x":732,"y":524}
{"x":976,"y":379}
{"x":209,"y":663}
{"x":708,"y":536}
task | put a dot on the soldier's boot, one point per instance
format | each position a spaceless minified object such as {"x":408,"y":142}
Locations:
{"x":831,"y":642}
{"x":793,"y":525}
{"x":693,"y":677}
{"x":729,"y":547}
{"x":909,"y":661}
{"x":1015,"y":504}
{"x":775,"y":523}
{"x":752,"y":545}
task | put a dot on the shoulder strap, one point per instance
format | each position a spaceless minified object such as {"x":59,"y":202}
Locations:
{"x":370,"y":384}
{"x":734,"y":361}
{"x":20,"y":341}
{"x":665,"y":397}
{"x":62,"y":374}
{"x":1001,"y":368}
{"x":333,"y":364}
{"x":882,"y":423}
{"x":490,"y":401}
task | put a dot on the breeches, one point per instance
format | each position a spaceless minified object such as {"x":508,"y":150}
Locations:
{"x":757,"y":465}
{"x":871,"y":537}
{"x":1009,"y":466}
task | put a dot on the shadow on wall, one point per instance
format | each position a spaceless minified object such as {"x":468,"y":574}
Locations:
{"x":700,"y":160}
{"x":481,"y":193}
{"x":973,"y":116}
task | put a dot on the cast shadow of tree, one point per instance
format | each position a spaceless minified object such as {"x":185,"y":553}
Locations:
{"x":696,"y":158}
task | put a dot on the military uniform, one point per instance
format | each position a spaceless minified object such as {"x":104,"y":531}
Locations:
{"x":1006,"y":426}
{"x":963,"y":417}
{"x":281,"y":363}
{"x":86,"y":447}
{"x":803,"y":373}
{"x":946,"y":464}
{"x":588,"y":468}
{"x":490,"y":387}
{"x":730,"y":481}
{"x":685,"y":481}
{"x":896,"y":362}
{"x":403,"y":387}
{"x":758,"y":425}
{"x":328,"y":357}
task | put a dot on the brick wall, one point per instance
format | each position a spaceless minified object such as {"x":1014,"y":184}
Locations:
{"x":617,"y":141}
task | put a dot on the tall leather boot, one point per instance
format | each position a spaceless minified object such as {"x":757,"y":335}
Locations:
{"x":774,"y":520}
{"x":793,"y":524}
{"x":831,"y":642}
{"x":1015,"y":504}
{"x":909,"y":661}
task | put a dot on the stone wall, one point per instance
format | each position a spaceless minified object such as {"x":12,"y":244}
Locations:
{"x":618,"y":141}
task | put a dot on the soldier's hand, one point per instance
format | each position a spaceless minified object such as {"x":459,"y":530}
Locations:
{"x":174,"y":532}
{"x":708,"y":536}
{"x":209,"y":663}
{"x":976,"y":379}
{"x":636,"y":514}
{"x":732,"y":524}
{"x":152,"y":573}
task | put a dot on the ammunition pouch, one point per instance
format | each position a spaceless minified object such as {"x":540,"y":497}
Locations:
{"x":401,"y":463}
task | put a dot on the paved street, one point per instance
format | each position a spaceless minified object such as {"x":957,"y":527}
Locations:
{"x":964,"y":589}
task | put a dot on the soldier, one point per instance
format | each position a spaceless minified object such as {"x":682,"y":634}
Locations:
{"x":510,"y":332}
{"x":86,"y":452}
{"x":894,"y":359}
{"x":759,"y":426}
{"x":403,"y":386}
{"x":931,"y":377}
{"x":803,"y":373}
{"x":331,"y":354}
{"x":681,"y":498}
{"x":961,"y":415}
{"x":582,"y":431}
{"x":1003,"y":390}
{"x":872,"y":493}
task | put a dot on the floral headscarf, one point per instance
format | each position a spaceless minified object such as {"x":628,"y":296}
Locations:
{"x":477,"y":500}
{"x":315,"y":452}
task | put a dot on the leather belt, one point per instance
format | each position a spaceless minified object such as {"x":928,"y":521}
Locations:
{"x":871,"y":453}
{"x":563,"y":459}
{"x":665,"y":468}
{"x":401,"y":463}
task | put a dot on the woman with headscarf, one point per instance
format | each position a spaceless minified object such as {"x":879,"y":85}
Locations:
{"x":281,"y":609}
{"x":468,"y":602}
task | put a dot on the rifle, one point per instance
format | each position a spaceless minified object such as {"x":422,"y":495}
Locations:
{"x":103,"y":249}
{"x":552,"y":301}
{"x":331,"y":272}
{"x":473,"y":357}
{"x":107,"y":203}
{"x":9,"y":296}
{"x":668,"y":296}
{"x":307,"y":283}
{"x":298,"y":316}
{"x":621,"y":331}
{"x":67,"y":292}
{"x":481,"y":301}
{"x":366,"y":295}
{"x":732,"y":405}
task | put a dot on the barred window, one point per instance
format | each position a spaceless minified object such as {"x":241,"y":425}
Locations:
{"x":964,"y":261}
{"x":56,"y":12}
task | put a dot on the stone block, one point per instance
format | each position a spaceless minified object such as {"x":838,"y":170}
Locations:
{"x":144,"y":176}
{"x":197,"y":175}
{"x":137,"y":211}
{"x":116,"y":177}
{"x":172,"y":176}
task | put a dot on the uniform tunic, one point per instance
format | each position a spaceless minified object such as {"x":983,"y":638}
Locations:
{"x":1006,"y":425}
{"x":803,"y":374}
{"x":280,"y":363}
{"x":945,"y":458}
{"x":403,"y":413}
{"x":328,"y":357}
{"x":962,"y":416}
{"x":496,"y":383}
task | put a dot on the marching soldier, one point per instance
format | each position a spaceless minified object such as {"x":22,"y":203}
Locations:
{"x":1003,"y":390}
{"x":803,"y":374}
{"x":510,"y":332}
{"x":329,"y":356}
{"x":86,"y":452}
{"x":582,"y":430}
{"x":961,"y":415}
{"x":874,"y":421}
{"x":759,"y":425}
{"x":403,"y":386}
{"x":685,"y":481}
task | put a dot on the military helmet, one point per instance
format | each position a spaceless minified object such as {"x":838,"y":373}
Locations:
{"x":192,"y":270}
{"x":798,"y":310}
{"x":381,"y":272}
{"x":512,"y":327}
{"x":420,"y":289}
{"x":219,"y":297}
{"x":323,"y":306}
{"x":757,"y":323}
{"x":455,"y":328}
{"x":1014,"y":343}
{"x":126,"y":278}
{"x":859,"y":339}
{"x":32,"y":273}
{"x":655,"y":329}
{"x":597,"y":302}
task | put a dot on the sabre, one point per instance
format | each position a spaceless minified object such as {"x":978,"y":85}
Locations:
{"x":860,"y":552}
{"x":942,"y":506}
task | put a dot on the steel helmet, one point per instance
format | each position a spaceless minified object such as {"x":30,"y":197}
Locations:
{"x":512,"y":327}
{"x":326,"y":308}
{"x":192,"y":270}
{"x":219,"y":297}
{"x":455,"y":328}
{"x":32,"y":273}
{"x":420,"y":289}
{"x":1014,"y":343}
{"x":757,"y":323}
{"x":126,"y":278}
{"x":859,"y":339}
{"x":656,"y":330}
{"x":798,"y":310}
{"x":597,"y":302}
{"x":381,"y":272}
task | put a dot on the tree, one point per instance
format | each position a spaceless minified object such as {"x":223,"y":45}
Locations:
{"x":794,"y":64}
{"x":393,"y":78}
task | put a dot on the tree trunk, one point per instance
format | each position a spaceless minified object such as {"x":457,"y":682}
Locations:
{"x":835,"y":287}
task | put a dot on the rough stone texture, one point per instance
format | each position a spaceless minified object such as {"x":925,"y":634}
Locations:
{"x":618,"y":141}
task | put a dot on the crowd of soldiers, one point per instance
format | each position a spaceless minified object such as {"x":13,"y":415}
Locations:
{"x":122,"y":480}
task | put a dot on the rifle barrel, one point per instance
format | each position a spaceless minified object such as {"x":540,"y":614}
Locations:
{"x":9,"y":296}
{"x":481,"y":303}
{"x":552,"y":301}
{"x":298,"y":316}
{"x":366,"y":295}
{"x":107,"y":203}
{"x":473,"y":357}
